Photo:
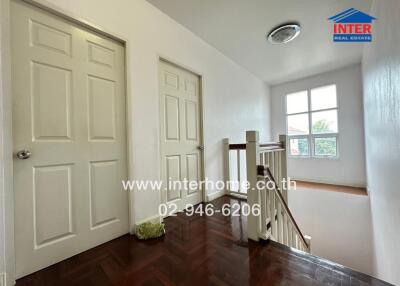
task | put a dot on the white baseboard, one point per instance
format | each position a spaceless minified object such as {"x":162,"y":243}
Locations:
{"x":240,"y":196}
{"x":213,"y":196}
{"x":3,"y":279}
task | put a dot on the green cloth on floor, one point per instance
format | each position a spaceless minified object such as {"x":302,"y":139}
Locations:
{"x":150,"y":230}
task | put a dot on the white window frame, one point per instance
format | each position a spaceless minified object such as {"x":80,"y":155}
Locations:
{"x":311,"y":137}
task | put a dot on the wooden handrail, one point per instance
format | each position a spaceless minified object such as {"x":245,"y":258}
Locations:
{"x":273,"y":144}
{"x":242,"y":146}
{"x":265,"y":172}
{"x":237,"y":146}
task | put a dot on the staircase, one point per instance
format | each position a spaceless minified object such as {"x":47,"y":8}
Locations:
{"x":274,"y":230}
{"x":265,"y":170}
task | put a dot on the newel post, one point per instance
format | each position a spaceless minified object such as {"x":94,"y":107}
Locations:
{"x":227,"y":178}
{"x":253,"y":194}
{"x":283,"y":140}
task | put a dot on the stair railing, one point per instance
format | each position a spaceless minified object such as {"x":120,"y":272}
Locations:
{"x":264,"y":162}
{"x":277,"y":221}
{"x":235,"y":161}
{"x":240,"y":165}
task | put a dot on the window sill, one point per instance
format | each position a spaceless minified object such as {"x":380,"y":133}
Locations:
{"x":304,"y":185}
{"x":314,"y":158}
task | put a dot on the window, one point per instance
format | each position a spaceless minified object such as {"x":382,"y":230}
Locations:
{"x":312,"y":122}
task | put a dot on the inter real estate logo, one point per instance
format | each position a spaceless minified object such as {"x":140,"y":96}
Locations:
{"x":352,"y":26}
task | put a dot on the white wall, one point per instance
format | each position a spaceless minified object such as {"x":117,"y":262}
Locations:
{"x":349,"y":169}
{"x":339,"y":224}
{"x":381,"y":69}
{"x":234,"y":100}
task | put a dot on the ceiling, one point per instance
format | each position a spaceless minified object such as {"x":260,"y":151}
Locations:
{"x":238,"y":29}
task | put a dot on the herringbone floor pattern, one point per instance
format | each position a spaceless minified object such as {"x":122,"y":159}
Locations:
{"x":197,"y":250}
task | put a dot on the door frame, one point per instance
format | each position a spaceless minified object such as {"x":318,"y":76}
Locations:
{"x":6,"y":107}
{"x":173,"y":62}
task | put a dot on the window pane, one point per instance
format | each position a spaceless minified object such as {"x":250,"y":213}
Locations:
{"x":325,"y":146}
{"x":297,"y":102}
{"x":299,"y":147}
{"x":324,"y":122}
{"x":297,"y":124}
{"x":323,"y":97}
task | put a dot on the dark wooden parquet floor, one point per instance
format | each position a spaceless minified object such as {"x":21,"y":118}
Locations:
{"x":197,"y":250}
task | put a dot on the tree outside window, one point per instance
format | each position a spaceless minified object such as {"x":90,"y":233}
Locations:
{"x":312,"y":122}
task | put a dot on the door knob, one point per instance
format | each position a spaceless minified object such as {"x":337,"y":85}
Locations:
{"x":201,"y":148}
{"x":24,"y":154}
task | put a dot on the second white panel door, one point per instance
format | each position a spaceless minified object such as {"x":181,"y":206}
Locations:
{"x":180,"y":136}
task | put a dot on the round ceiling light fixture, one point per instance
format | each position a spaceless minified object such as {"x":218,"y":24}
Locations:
{"x":284,"y":33}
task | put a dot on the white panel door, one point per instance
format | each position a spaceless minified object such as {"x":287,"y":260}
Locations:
{"x":69,"y":112}
{"x":180,"y":136}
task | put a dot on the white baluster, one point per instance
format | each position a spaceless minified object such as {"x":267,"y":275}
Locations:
{"x":279,"y":174}
{"x":283,"y":139}
{"x":293,"y":238}
{"x":276,"y":167}
{"x":264,"y":215}
{"x":265,"y":155}
{"x":308,"y":240}
{"x":271,"y":212}
{"x":272,"y":215}
{"x":285,"y":229}
{"x":290,"y":230}
{"x":280,"y":223}
{"x":238,"y":169}
{"x":272,"y":166}
{"x":226,"y":165}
